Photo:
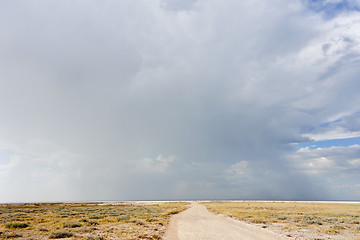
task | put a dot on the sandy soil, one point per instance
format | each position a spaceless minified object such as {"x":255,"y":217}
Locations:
{"x":198,"y":223}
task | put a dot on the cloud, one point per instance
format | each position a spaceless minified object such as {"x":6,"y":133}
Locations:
{"x":336,"y":133}
{"x":343,"y":128}
{"x":238,"y":168}
{"x":96,"y":98}
{"x":157,"y":165}
{"x":339,"y":160}
{"x":178,"y":5}
{"x":335,"y":167}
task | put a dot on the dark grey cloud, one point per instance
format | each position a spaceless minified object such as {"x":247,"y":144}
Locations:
{"x":168,"y":99}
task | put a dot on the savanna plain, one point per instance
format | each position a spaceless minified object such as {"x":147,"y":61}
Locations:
{"x":296,"y":220}
{"x":99,"y":220}
{"x":149,"y":220}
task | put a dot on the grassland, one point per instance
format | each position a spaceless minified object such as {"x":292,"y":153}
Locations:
{"x":301,"y":220}
{"x":94,"y":221}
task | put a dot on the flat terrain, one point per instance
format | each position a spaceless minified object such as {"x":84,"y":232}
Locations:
{"x":117,"y":220}
{"x":197,"y":223}
{"x":249,"y":220}
{"x":296,"y":220}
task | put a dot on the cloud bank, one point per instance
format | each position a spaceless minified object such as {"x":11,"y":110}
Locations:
{"x":168,"y":99}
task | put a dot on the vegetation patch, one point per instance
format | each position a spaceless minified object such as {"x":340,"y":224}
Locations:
{"x":123,"y":218}
{"x":10,"y":235}
{"x":316,"y":217}
{"x":100,"y":220}
{"x":15,"y":225}
{"x":61,"y":234}
{"x":71,"y":225}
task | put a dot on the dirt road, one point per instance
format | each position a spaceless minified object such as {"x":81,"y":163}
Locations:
{"x":198,"y":223}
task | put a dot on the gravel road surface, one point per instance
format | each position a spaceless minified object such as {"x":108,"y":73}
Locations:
{"x":197,"y":223}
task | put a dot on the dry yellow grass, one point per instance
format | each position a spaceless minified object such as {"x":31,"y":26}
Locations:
{"x":86,"y":220}
{"x":324,"y":218}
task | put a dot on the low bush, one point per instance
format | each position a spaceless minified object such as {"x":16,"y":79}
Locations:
{"x":92,"y":223}
{"x":314,"y":221}
{"x":15,"y":225}
{"x":10,"y":235}
{"x":174,"y":212}
{"x":123,"y":218}
{"x":72,"y":225}
{"x":152,"y":220}
{"x":61,"y":234}
{"x":96,"y":217}
{"x":137,"y":222}
{"x":95,"y":238}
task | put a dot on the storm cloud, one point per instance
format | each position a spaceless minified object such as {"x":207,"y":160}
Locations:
{"x":167,"y":99}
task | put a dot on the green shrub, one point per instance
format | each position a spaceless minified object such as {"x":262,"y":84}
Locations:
{"x":314,"y":221}
{"x":10,"y":235}
{"x":152,"y":220}
{"x":15,"y":225}
{"x":123,"y":218}
{"x":95,"y":238}
{"x":72,"y":225}
{"x":61,"y":234}
{"x":174,"y":212}
{"x":92,"y":223}
{"x":114,"y":214}
{"x":137,"y":222}
{"x":96,"y":217}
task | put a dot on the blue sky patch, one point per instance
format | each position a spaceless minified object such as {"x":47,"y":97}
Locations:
{"x":331,"y":143}
{"x":332,"y":8}
{"x":327,"y":124}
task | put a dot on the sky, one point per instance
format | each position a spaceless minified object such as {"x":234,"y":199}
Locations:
{"x":179,"y":99}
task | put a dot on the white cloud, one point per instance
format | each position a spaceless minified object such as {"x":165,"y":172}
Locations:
{"x":342,"y":127}
{"x":35,"y":177}
{"x":333,"y":161}
{"x":337,"y":133}
{"x":336,"y":169}
{"x":238,"y":168}
{"x":158,"y":165}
